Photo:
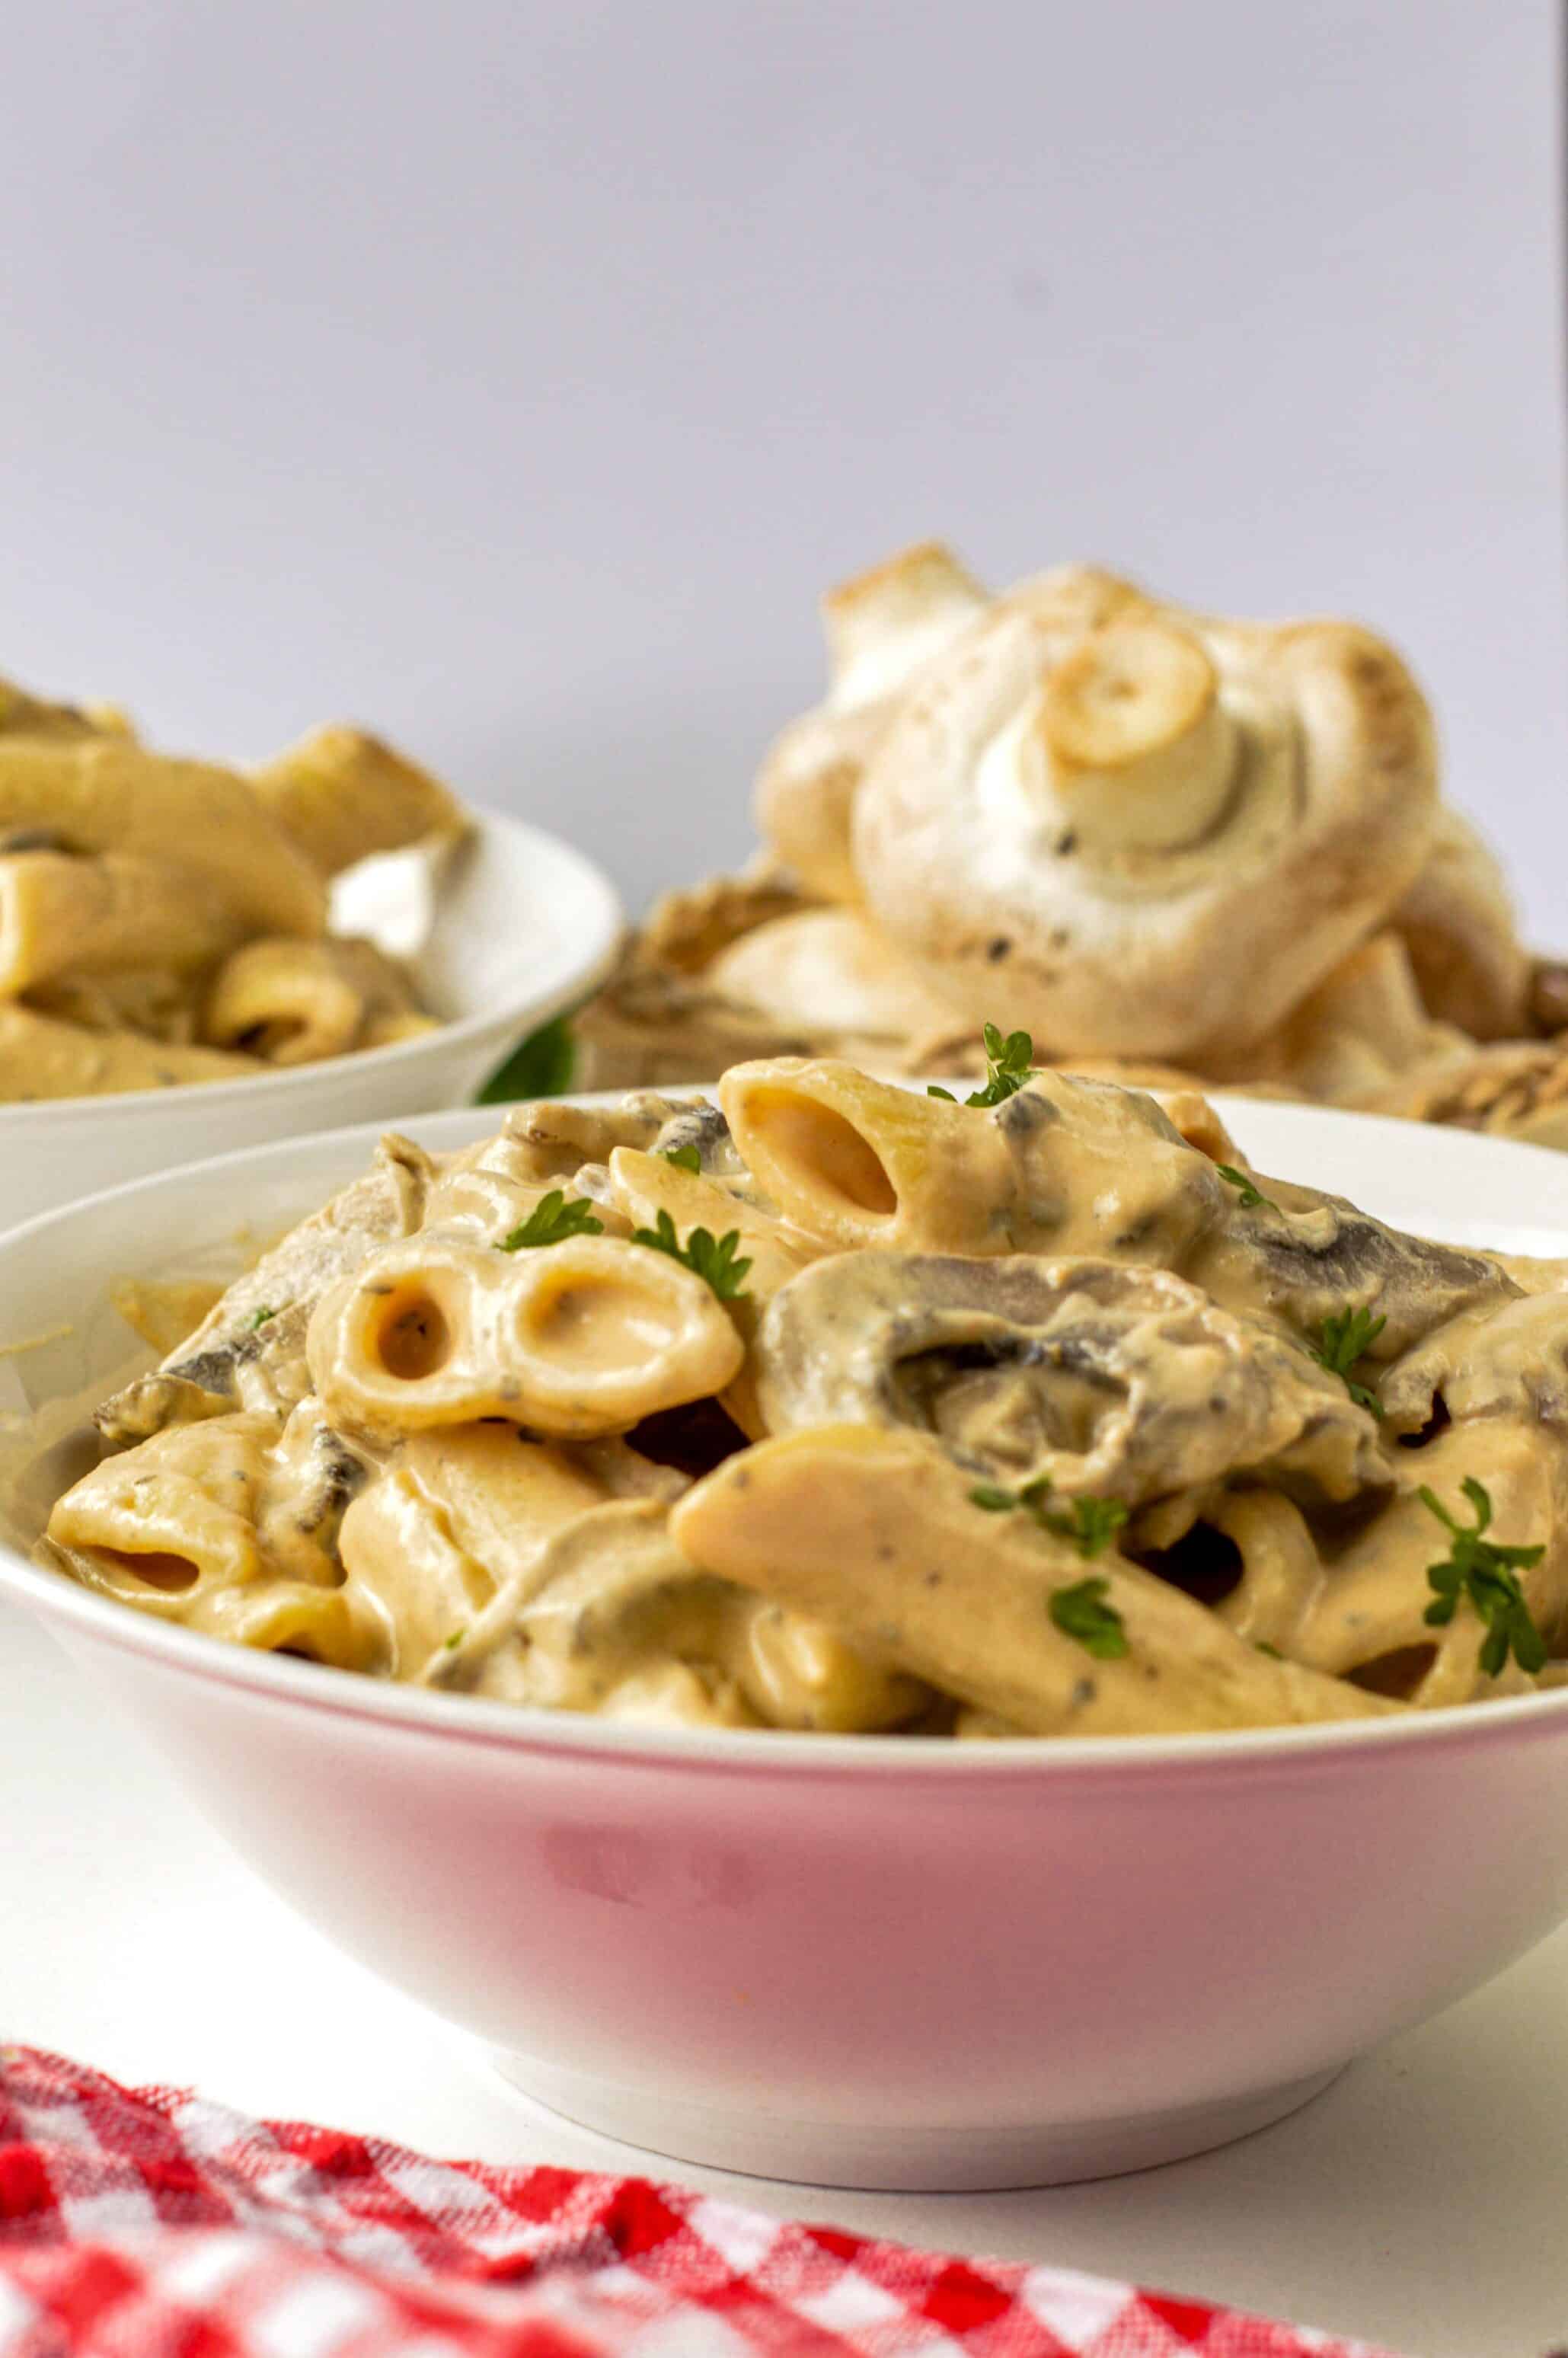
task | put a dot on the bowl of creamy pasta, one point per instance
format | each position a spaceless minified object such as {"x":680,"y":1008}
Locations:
{"x":871,"y":1636}
{"x":194,"y":957}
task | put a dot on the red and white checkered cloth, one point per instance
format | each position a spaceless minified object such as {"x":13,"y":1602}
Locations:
{"x":147,"y":2224}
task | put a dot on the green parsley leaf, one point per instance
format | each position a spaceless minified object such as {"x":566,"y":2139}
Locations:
{"x":1009,"y":1064}
{"x":1252,"y":1194}
{"x":259,"y":1317}
{"x":712,"y":1259}
{"x":1485,"y":1573}
{"x":1264,"y":1647}
{"x":552,"y":1220}
{"x":1089,"y":1524}
{"x":1345,"y":1340}
{"x":1080,"y":1613}
{"x":683,"y":1157}
{"x":542,"y":1066}
{"x":455,"y":1639}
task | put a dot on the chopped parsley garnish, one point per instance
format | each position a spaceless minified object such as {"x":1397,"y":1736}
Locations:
{"x":455,"y":1640}
{"x":1485,"y":1573}
{"x":1089,"y":1524}
{"x":1009,"y":1064}
{"x":1252,"y":1194}
{"x":712,"y":1259}
{"x":1263,"y":1645}
{"x":683,"y":1157}
{"x":259,"y":1317}
{"x":552,"y":1220}
{"x":1346,"y":1340}
{"x":1081,"y":1613}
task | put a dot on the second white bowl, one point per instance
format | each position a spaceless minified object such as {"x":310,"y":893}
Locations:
{"x":522,"y":925}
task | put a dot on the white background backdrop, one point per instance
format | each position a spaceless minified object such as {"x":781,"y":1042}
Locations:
{"x":512,"y":376}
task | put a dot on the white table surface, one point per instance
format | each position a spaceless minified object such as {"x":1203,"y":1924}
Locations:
{"x":1422,"y":2203}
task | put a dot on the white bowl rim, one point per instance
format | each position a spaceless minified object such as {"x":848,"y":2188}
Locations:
{"x":559,"y":990}
{"x":287,"y":1681}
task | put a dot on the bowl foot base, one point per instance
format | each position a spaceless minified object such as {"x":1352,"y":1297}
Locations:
{"x":905,"y":2161}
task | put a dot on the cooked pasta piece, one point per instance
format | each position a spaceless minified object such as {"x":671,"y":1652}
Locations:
{"x":458,"y":1514}
{"x":340,"y":794}
{"x":583,"y":1338}
{"x":1062,"y":1165}
{"x":962,"y":1599}
{"x":611,"y":1617}
{"x":229,"y":1527}
{"x":290,"y":1002}
{"x":643,"y":1185}
{"x":42,"y":1057}
{"x":117,"y":909}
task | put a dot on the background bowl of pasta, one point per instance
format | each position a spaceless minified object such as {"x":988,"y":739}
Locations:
{"x":853,"y":1958}
{"x":518,"y":925}
{"x":195,"y":955}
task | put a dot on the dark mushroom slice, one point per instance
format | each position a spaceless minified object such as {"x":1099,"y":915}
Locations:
{"x":702,"y":1126}
{"x":1119,"y":1381}
{"x":553,"y":1138}
{"x":1316,"y":1257}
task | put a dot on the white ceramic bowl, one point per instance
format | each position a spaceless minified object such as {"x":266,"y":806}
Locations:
{"x":521,"y":926}
{"x":852,"y":1959}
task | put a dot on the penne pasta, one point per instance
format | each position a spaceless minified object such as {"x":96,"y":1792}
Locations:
{"x":584,"y":1338}
{"x":339,"y":794}
{"x":42,"y":1057}
{"x":292,"y":1003}
{"x":61,"y":914}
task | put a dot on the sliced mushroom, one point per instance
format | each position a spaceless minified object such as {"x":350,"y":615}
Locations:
{"x":1112,"y":1381}
{"x":1304,"y":1257}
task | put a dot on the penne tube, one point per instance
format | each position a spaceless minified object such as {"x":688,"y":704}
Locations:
{"x":465,"y":1512}
{"x":643,"y":1185}
{"x":341,"y":795}
{"x":853,"y":1161}
{"x":174,"y":1516}
{"x":292,"y":1003}
{"x":101,"y":794}
{"x":40,"y":1058}
{"x":878,"y":1534}
{"x":573,"y":1339}
{"x":1058,"y":1165}
{"x":1366,"y":1617}
{"x":59,"y":915}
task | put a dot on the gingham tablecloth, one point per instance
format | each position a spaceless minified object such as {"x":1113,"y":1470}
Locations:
{"x":146,"y":2223}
